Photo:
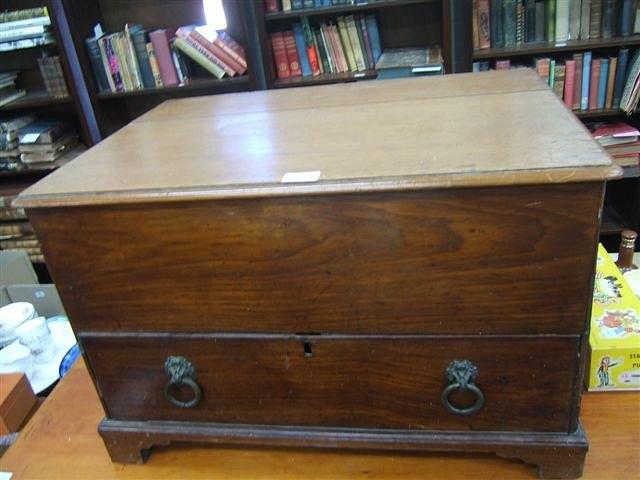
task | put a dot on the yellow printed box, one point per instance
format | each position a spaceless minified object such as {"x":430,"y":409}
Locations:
{"x":614,"y":340}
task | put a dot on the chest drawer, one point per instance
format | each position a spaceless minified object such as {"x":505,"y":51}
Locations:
{"x":383,"y":382}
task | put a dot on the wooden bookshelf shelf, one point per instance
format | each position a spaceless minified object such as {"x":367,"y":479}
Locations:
{"x":611,"y":112}
{"x":371,"y":5}
{"x":555,"y":47}
{"x":234,"y":84}
{"x":36,"y":99}
{"x":325,"y":79}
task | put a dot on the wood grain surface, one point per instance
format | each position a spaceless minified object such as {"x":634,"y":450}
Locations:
{"x":61,"y":442}
{"x":468,"y":129}
{"x":358,"y":382}
{"x":495,"y":260}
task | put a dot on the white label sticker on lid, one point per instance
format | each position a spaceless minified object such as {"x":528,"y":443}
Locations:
{"x":295,"y":177}
{"x":30,"y":138}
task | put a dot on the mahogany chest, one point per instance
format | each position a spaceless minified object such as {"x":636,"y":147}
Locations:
{"x":400,"y":264}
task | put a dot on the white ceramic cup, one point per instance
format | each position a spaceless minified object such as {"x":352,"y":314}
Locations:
{"x":36,"y":336}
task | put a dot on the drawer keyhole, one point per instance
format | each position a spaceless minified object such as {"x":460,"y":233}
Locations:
{"x":308,"y":348}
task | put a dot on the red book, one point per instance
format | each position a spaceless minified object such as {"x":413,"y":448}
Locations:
{"x":186,"y":33}
{"x":280,"y":55}
{"x":226,"y":39}
{"x":577,"y":86}
{"x":594,"y":84}
{"x":569,"y":82}
{"x":484,"y":24}
{"x":202,"y":38}
{"x":542,"y":68}
{"x":160,"y":41}
{"x":503,"y":64}
{"x":292,"y":54}
{"x":271,"y":6}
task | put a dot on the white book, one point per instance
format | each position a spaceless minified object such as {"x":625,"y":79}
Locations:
{"x":27,"y":22}
{"x":562,"y":20}
{"x":22,"y":33}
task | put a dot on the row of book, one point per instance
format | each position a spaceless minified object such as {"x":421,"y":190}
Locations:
{"x":135,"y":59}
{"x":16,"y":232}
{"x":25,"y":29}
{"x":29,"y":142}
{"x":51,"y":71}
{"x":9,"y":92}
{"x":619,"y":139}
{"x":510,"y":23}
{"x":273,"y":6}
{"x":347,"y":44}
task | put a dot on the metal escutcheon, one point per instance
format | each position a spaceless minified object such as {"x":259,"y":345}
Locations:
{"x":461,"y":375}
{"x":181,"y":372}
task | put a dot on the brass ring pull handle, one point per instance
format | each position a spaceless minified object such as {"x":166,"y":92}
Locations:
{"x":181,"y":372}
{"x":461,"y":375}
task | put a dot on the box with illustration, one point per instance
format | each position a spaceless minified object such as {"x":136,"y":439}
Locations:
{"x":614,"y":357}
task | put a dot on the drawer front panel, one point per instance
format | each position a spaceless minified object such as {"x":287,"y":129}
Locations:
{"x":340,"y":381}
{"x":513,"y":260}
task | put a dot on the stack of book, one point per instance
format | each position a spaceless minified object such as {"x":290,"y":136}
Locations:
{"x":8,"y":90}
{"x":273,"y":6}
{"x":135,"y":59}
{"x":44,"y":142}
{"x":15,"y":231}
{"x":408,"y":62}
{"x":9,"y":151}
{"x":52,"y":75}
{"x":346,"y":44}
{"x":25,"y":29}
{"x":510,"y":23}
{"x":620,"y":140}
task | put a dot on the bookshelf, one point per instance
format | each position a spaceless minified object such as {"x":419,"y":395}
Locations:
{"x":401,"y":23}
{"x":116,"y":109}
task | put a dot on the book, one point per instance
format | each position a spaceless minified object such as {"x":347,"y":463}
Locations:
{"x":9,"y":126}
{"x":627,"y":17}
{"x":374,"y":36}
{"x":558,"y":79}
{"x":602,"y":82}
{"x":45,"y":39}
{"x":551,"y":20}
{"x":406,"y":62}
{"x":322,"y":52}
{"x":541,"y":22}
{"x":286,"y":5}
{"x":530,"y":21}
{"x":280,"y":55}
{"x":138,"y":38}
{"x":206,"y":48}
{"x":26,"y":22}
{"x":585,"y":19}
{"x":229,"y":44}
{"x":355,"y":44}
{"x":503,"y":64}
{"x":484,"y":24}
{"x":475,"y":27}
{"x":42,"y":131}
{"x":371,"y":62}
{"x":117,"y":82}
{"x":630,"y":94}
{"x":131,"y":57}
{"x":155,"y":67}
{"x":574,"y":19}
{"x":100,"y":80}
{"x":292,"y":54}
{"x":613,"y":63}
{"x":586,"y":76}
{"x":346,"y":45}
{"x":337,"y":47}
{"x":362,"y":44}
{"x":271,"y":6}
{"x":594,"y":84}
{"x":10,"y":94}
{"x":595,"y":22}
{"x":311,"y":51}
{"x":614,"y":133}
{"x":569,"y":83}
{"x":212,"y":41}
{"x":305,"y":66}
{"x":22,"y":33}
{"x":562,"y":21}
{"x":200,"y":55}
{"x":496,"y":33}
{"x":609,"y":18}
{"x":621,"y":75}
{"x":160,"y":41}
{"x":543,"y":68}
{"x":333,"y":56}
{"x":509,"y":22}
{"x":520,"y":27}
{"x":51,"y":72}
{"x":552,"y":73}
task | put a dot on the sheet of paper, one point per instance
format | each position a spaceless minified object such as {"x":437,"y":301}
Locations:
{"x":300,"y":177}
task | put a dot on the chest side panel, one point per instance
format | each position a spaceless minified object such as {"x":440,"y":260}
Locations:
{"x":492,"y":260}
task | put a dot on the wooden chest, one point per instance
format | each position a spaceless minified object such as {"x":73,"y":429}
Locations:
{"x":387,"y":265}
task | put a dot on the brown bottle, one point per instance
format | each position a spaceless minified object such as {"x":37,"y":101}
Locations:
{"x":627,"y":248}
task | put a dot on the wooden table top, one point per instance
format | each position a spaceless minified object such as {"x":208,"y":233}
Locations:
{"x":494,"y":128}
{"x":61,"y":441}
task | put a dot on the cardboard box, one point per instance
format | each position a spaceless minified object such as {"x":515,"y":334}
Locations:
{"x":614,"y":339}
{"x":16,"y":401}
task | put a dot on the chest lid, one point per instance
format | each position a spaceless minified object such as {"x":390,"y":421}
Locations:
{"x":494,"y":128}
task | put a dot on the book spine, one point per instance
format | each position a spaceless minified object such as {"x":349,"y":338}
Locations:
{"x":271,"y":6}
{"x":626,"y":103}
{"x":541,"y":21}
{"x":105,"y":62}
{"x":585,"y":19}
{"x":132,"y":59}
{"x":608,"y":18}
{"x":552,"y":73}
{"x":346,"y":44}
{"x":328,"y":46}
{"x":371,"y":63}
{"x":240,"y":62}
{"x":206,"y":52}
{"x":114,"y":41}
{"x":562,"y":20}
{"x":374,"y":37}
{"x":22,"y":33}
{"x":322,"y":51}
{"x":595,"y":22}
{"x":569,"y":85}
{"x":97,"y":67}
{"x":296,"y":4}
{"x":530,"y":21}
{"x":474,"y":25}
{"x":199,"y":55}
{"x":321,"y":61}
{"x":311,"y":51}
{"x":160,"y":41}
{"x":586,"y":76}
{"x":280,"y":55}
{"x":611,"y":80}
{"x":520,"y":22}
{"x":503,"y":64}
{"x":602,"y":82}
{"x":509,"y":22}
{"x":577,"y":86}
{"x":484,"y":24}
{"x":27,"y":22}
{"x":230,"y":63}
{"x":155,"y":68}
{"x":113,"y":65}
{"x":621,"y":76}
{"x":286,"y":5}
{"x":574,"y":19}
{"x":292,"y":54}
{"x":140,"y":46}
{"x":496,"y":24}
{"x":233,"y":45}
{"x":594,"y":84}
{"x":305,"y":66}
{"x":355,"y":44}
{"x":551,"y":20}
{"x":542,"y":69}
{"x":627,"y":17}
{"x":335,"y":36}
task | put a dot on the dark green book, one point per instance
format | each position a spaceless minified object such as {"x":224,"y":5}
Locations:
{"x":530,"y":21}
{"x":319,"y":44}
{"x":496,"y":24}
{"x":551,"y":20}
{"x":541,"y":21}
{"x":509,"y":19}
